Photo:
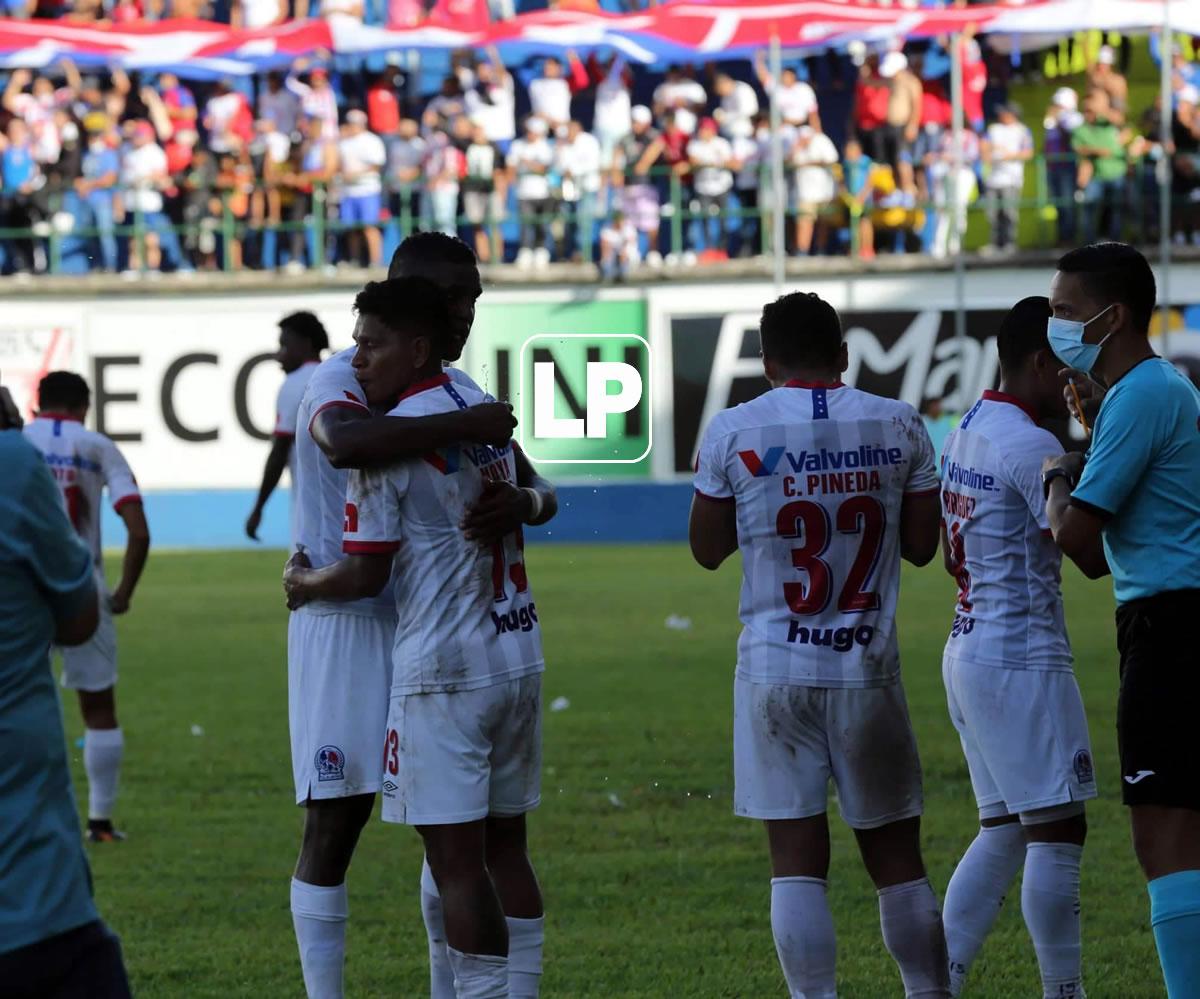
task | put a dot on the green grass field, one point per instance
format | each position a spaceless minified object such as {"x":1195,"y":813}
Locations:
{"x":652,"y":887}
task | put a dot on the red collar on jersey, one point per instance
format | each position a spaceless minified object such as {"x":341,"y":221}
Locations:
{"x":64,"y":417}
{"x":801,"y":383}
{"x":426,"y":385}
{"x":993,"y":396}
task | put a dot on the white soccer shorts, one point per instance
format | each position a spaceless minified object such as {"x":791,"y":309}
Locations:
{"x":790,"y":741}
{"x":339,"y":678}
{"x":1024,"y":735}
{"x":459,"y":757}
{"x":92,"y":666}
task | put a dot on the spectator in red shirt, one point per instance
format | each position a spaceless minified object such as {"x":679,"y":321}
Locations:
{"x":871,"y":95}
{"x":179,"y":102}
{"x":383,"y":102}
{"x":974,"y":83}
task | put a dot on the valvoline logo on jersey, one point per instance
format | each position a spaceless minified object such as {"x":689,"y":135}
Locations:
{"x":822,"y":460}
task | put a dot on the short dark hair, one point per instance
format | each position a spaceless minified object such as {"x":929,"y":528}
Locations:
{"x":1023,"y":332}
{"x":801,"y":330}
{"x":63,"y":390}
{"x":308,"y":326}
{"x":408,"y":305}
{"x":1115,"y":272}
{"x":430,"y":246}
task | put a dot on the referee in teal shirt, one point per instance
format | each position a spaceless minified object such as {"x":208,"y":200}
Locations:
{"x":1133,"y":509}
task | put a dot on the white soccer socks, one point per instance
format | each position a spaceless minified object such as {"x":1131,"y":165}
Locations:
{"x":913,"y":935}
{"x":804,"y":938}
{"x":479,"y":976}
{"x":441,"y":975}
{"x":1050,"y":904}
{"x":319,"y":915}
{"x":525,"y":938}
{"x":102,"y":752}
{"x":976,"y":892}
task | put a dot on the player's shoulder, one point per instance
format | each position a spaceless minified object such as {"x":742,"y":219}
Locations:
{"x":460,"y":379}
{"x":896,"y":414}
{"x":757,"y":412}
{"x":334,"y":376}
{"x":437,"y":395}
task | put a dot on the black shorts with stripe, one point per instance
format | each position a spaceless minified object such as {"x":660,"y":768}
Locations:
{"x":1158,"y":723}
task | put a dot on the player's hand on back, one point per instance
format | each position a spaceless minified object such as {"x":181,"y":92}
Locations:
{"x":492,"y":423}
{"x":295,"y":574}
{"x":500,"y":509}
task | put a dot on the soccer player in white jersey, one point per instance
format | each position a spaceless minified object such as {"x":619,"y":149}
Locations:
{"x":462,"y":753}
{"x":301,"y":340}
{"x":85,"y":463}
{"x":1007,"y":666}
{"x":824,"y":488}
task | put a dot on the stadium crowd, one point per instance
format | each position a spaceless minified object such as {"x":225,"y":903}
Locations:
{"x":320,"y":166}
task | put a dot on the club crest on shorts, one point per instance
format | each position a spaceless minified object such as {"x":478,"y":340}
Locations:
{"x":330,"y":763}
{"x":1083,"y":767}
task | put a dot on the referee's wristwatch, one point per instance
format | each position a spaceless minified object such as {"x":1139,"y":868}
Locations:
{"x":1050,"y":475}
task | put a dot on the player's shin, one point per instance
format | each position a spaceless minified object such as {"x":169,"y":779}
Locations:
{"x":804,"y":936}
{"x":1175,"y":914}
{"x":976,"y":893}
{"x":1050,"y":904}
{"x":913,"y":935}
{"x":102,"y":752}
{"x":319,"y":916}
{"x":441,"y":974}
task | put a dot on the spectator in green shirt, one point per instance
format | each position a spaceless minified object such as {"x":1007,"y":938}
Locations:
{"x":1103,"y":164}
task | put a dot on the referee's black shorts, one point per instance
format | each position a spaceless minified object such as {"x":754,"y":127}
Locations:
{"x":1158,"y":724}
{"x":84,"y":963}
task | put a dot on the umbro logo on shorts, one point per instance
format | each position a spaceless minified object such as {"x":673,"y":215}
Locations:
{"x":390,"y":786}
{"x":1141,"y":775}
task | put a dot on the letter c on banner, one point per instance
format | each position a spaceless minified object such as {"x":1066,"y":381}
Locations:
{"x":167,"y":398}
{"x":240,"y":405}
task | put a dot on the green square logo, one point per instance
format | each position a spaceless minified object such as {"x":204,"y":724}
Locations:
{"x":585,"y":398}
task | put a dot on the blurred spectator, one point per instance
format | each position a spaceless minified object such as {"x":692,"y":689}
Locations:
{"x":1185,"y":161}
{"x":797,"y":100}
{"x":1104,"y":77}
{"x":529,"y":162}
{"x":1100,"y":146}
{"x":20,"y":178}
{"x":383,"y":102}
{"x":492,"y":102}
{"x":361,"y":157}
{"x":482,"y":190}
{"x":178,"y":101}
{"x":975,"y":82}
{"x":37,"y":108}
{"x":227,"y":119}
{"x":636,"y":154}
{"x":279,"y":104}
{"x":144,"y":176}
{"x":614,"y":106}
{"x":317,"y":99}
{"x":577,"y":160}
{"x":813,"y":157}
{"x":448,"y":105}
{"x":739,"y":105}
{"x":234,"y":188}
{"x":252,"y":14}
{"x":618,"y":247}
{"x":443,"y":169}
{"x":550,"y":93}
{"x":747,"y":163}
{"x":318,"y":162}
{"x":97,"y":188}
{"x":936,"y":115}
{"x":341,"y":8}
{"x":953,"y":191}
{"x":681,"y":94}
{"x":196,"y":190}
{"x":903,"y":117}
{"x":406,"y":158}
{"x":856,"y":180}
{"x":1007,"y":147}
{"x":1062,"y":118}
{"x":711,"y":159}
{"x":872,"y":95}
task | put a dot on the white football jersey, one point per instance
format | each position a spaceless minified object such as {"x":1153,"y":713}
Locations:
{"x":287,"y":409}
{"x":1009,"y":610}
{"x":319,"y":488}
{"x":84,"y":463}
{"x":818,"y":473}
{"x":467,"y":617}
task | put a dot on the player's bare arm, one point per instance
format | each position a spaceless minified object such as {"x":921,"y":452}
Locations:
{"x":351,"y":439}
{"x":1077,"y":531}
{"x":948,"y":561}
{"x":137,"y":547}
{"x":354,"y":577}
{"x":277,"y":459}
{"x":920,"y":526}
{"x":80,"y":626}
{"x":503,"y":507}
{"x":712,"y":531}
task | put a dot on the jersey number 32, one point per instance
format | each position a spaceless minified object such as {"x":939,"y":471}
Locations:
{"x":861,"y":515}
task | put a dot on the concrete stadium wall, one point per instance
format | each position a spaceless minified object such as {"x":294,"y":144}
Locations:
{"x":185,"y":382}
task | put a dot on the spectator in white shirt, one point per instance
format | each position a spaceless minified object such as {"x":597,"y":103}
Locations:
{"x":483,"y":190}
{"x":951,"y":198}
{"x":711,"y":159}
{"x":747,"y":166}
{"x":797,"y":100}
{"x":577,"y":157}
{"x":257,"y":13}
{"x":739,"y":105}
{"x":1006,"y":148}
{"x":317,"y":99}
{"x":279,"y":104}
{"x":37,"y":108}
{"x":444,"y":166}
{"x":529,"y":163}
{"x":361,"y":156}
{"x":449,"y":104}
{"x":492,"y":102}
{"x":550,"y":94}
{"x":679,"y":92}
{"x":614,"y":108}
{"x":144,"y":176}
{"x":406,"y":159}
{"x":618,"y":247}
{"x":813,"y":157}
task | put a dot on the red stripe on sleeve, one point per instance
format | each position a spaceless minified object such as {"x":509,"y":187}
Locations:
{"x":370,"y":547}
{"x":716,"y":499}
{"x":131,"y":498}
